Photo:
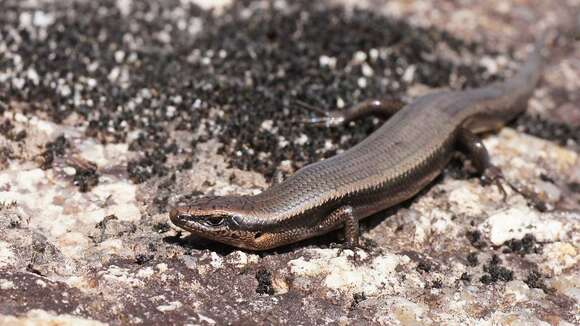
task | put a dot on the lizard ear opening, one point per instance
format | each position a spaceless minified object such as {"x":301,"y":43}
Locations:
{"x":262,"y":241}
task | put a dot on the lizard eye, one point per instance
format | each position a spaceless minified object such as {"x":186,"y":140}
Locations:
{"x":212,"y":221}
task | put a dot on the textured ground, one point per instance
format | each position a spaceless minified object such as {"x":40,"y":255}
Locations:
{"x":113,"y":111}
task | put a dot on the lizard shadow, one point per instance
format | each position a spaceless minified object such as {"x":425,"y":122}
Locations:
{"x":193,"y":242}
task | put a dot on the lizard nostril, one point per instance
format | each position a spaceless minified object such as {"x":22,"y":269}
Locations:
{"x":177,"y":215}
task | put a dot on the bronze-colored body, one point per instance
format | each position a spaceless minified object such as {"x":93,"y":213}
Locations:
{"x":391,"y":165}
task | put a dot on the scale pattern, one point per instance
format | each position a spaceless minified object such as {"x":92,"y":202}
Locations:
{"x":395,"y":161}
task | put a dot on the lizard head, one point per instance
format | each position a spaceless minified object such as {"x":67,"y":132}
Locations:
{"x":221,"y":219}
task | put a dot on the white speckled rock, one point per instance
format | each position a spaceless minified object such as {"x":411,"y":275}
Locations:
{"x":341,"y":275}
{"x":41,"y":317}
{"x":7,"y":256}
{"x":515,"y":222}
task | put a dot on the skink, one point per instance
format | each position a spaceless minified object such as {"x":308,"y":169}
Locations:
{"x":388,"y":167}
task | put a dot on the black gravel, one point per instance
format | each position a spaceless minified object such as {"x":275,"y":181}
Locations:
{"x":53,"y":149}
{"x":424,"y":266}
{"x":536,"y":280}
{"x":86,"y":176}
{"x":264,"y":278}
{"x":527,"y":245}
{"x":560,"y":133}
{"x":357,"y":298}
{"x":472,"y":259}
{"x":138,"y":76}
{"x":465,"y":277}
{"x":496,"y":272}
{"x":475,"y":239}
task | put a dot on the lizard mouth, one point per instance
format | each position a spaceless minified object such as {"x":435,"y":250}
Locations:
{"x":177,"y":217}
{"x":214,"y":227}
{"x":180,"y":218}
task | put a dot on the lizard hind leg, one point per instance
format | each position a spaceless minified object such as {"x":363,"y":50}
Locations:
{"x":490,"y":173}
{"x":476,"y":151}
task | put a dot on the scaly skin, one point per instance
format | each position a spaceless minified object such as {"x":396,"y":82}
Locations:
{"x":390,"y":166}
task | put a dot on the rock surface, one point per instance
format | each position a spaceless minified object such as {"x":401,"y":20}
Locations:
{"x":113,"y":111}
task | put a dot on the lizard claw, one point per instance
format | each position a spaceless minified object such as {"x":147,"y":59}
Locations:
{"x":494,"y":175}
{"x":329,"y":120}
{"x":325,"y":118}
{"x":354,"y":248}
